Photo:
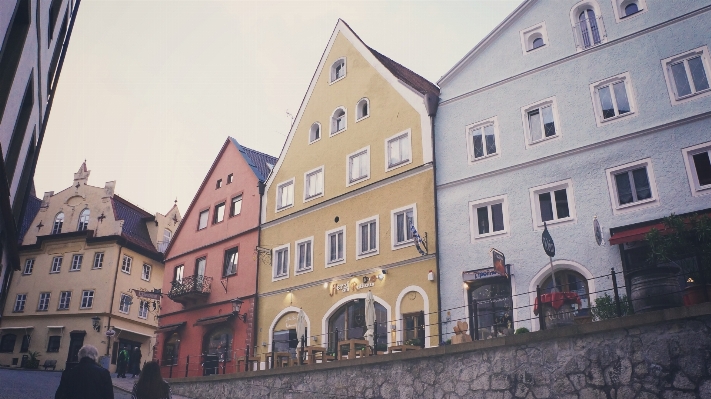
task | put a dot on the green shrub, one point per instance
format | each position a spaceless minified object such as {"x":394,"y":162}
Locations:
{"x":605,"y":307}
{"x":521,"y":330}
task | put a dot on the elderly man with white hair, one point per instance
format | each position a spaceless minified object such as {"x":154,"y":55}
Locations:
{"x":87,"y":380}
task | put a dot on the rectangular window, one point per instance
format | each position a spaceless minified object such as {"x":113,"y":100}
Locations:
{"x":482,"y":139}
{"x":698,"y":168}
{"x":125,"y":303}
{"x":200,"y":266}
{"x":231,"y":258}
{"x":281,"y":262}
{"x":146,"y":274}
{"x":404,"y":220}
{"x":285,"y":194}
{"x":76,"y":263}
{"x":398,"y":150}
{"x":143,"y":309}
{"x":541,"y":123}
{"x":20,"y":303}
{"x":202,"y":221}
{"x":126,"y":264}
{"x":65,"y":298}
{"x":230,"y":178}
{"x":43,"y":303}
{"x":178,"y":273}
{"x":313,"y":183}
{"x":553,"y":203}
{"x":367,"y":243}
{"x":612,"y":98}
{"x":87,"y":299}
{"x":631,"y":185}
{"x":25,"y":346}
{"x":29,"y":266}
{"x":236,"y":206}
{"x":218,"y":184}
{"x":304,"y":255}
{"x":98,"y":260}
{"x":56,"y":264}
{"x":489,"y":217}
{"x":687,"y":74}
{"x":359,"y":166}
{"x":219,"y":214}
{"x":53,"y":343}
{"x":335,"y":251}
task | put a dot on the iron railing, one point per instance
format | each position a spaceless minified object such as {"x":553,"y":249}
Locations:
{"x":190,"y":285}
{"x":589,"y":33}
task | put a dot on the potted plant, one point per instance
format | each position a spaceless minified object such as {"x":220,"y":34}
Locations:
{"x":33,"y":361}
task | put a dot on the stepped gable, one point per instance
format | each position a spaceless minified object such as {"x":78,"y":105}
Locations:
{"x":134,"y":223}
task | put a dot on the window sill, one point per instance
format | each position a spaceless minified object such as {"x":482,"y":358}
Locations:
{"x":283,"y":208}
{"x":62,"y":309}
{"x":404,"y":244}
{"x":74,"y":270}
{"x":121,"y":311}
{"x":42,"y":310}
{"x":635,"y":206}
{"x":96,"y":268}
{"x":26,"y":274}
{"x":337,"y":80}
{"x":368,"y":254}
{"x":556,"y":222}
{"x":304,"y":271}
{"x":336,"y":263}
{"x":365,"y":117}
{"x":146,"y":279}
{"x":57,"y":272}
{"x":604,"y":121}
{"x":331,"y":134}
{"x":125,"y":272}
{"x":84,"y":308}
{"x":236,"y":214}
{"x":229,"y":275}
{"x":691,"y":96}
{"x":361,"y":180}
{"x":18,"y":311}
{"x":543,"y":140}
{"x":144,"y":317}
{"x":398,"y":165}
{"x":529,"y":51}
{"x":491,"y":235}
{"x":472,"y":161}
{"x":311,"y":142}
{"x":280,"y":278}
{"x":216,"y":223}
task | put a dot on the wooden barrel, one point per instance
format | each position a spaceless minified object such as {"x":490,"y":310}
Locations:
{"x":655,"y":288}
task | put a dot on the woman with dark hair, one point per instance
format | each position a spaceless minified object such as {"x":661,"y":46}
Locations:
{"x":150,"y":384}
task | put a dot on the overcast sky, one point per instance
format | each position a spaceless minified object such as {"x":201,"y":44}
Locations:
{"x":150,"y":90}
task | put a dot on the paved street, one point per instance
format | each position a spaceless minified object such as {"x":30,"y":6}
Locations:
{"x":21,"y":384}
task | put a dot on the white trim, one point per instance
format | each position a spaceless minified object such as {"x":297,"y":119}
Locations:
{"x":337,"y":305}
{"x":556,"y":120}
{"x":296,"y":256}
{"x":320,"y":169}
{"x":393,"y":227}
{"x":545,"y":271}
{"x":133,"y":332}
{"x":320,"y":132}
{"x":348,"y":167}
{"x":279,"y":186}
{"x":150,"y":272}
{"x":531,"y":33}
{"x":327,"y":261}
{"x":535,"y":205}
{"x":367,"y":101}
{"x":290,"y":309}
{"x":404,"y":133}
{"x":612,"y":187}
{"x":332,"y":125}
{"x":470,"y":145}
{"x":331,"y":71}
{"x":703,"y":51}
{"x":619,"y":8}
{"x":274,"y":260}
{"x":687,"y":153}
{"x":473,"y":217}
{"x":398,"y":314}
{"x":358,"y":254}
{"x":597,"y":105}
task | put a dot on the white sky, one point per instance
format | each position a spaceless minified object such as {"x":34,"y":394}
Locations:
{"x":150,"y":90}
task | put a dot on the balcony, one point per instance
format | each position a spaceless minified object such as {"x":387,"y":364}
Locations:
{"x":191,"y":289}
{"x":589,"y":33}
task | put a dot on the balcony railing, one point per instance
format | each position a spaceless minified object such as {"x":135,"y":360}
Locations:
{"x":589,"y":33}
{"x":190,"y":289}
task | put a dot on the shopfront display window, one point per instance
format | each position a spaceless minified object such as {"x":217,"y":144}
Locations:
{"x":348,"y":322}
{"x":569,"y":281}
{"x":170,"y":350}
{"x":490,"y":307}
{"x":285,"y":341}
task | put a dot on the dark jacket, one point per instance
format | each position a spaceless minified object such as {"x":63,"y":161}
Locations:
{"x":87,"y":380}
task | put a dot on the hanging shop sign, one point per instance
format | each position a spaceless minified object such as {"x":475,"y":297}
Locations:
{"x":599,"y":235}
{"x":547,"y":240}
{"x":147,"y":294}
{"x":499,"y":262}
{"x":353,"y":285}
{"x":480,"y":274}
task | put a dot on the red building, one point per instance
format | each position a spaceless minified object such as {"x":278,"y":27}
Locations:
{"x":210,"y":280}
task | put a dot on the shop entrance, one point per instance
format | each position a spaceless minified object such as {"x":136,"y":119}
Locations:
{"x":76,"y":341}
{"x":490,"y":304}
{"x":348,"y":322}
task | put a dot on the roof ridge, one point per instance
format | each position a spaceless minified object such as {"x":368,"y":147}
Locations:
{"x":130,"y":204}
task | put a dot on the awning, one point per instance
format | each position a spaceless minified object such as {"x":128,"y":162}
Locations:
{"x":635,"y":234}
{"x":17,"y":328}
{"x":170,"y":327}
{"x":213,"y":319}
{"x":132,"y":332}
{"x":77,"y":332}
{"x":55,"y":327}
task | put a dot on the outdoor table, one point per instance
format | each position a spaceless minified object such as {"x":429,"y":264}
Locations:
{"x":312,"y":351}
{"x":403,"y":348}
{"x":273,"y":359}
{"x":352,"y":343}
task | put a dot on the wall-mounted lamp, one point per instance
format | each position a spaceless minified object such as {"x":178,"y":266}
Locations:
{"x":430,"y":276}
{"x":96,"y":323}
{"x":236,"y":306}
{"x":325,"y":285}
{"x":382,"y":274}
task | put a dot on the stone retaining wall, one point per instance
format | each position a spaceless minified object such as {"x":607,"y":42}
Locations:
{"x":665,"y":354}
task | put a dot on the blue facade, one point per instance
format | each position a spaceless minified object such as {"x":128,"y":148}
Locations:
{"x":498,"y":80}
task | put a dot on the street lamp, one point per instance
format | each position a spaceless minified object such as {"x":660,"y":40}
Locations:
{"x":96,"y":323}
{"x":236,"y":306}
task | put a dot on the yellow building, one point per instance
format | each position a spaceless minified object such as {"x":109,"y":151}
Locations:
{"x":85,"y":254}
{"x":356,"y":171}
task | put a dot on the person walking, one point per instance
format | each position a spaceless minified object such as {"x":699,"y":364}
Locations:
{"x":150,"y":384}
{"x":122,"y":363}
{"x":135,"y":365}
{"x":87,"y":380}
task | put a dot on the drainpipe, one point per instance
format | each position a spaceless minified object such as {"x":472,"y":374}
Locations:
{"x":113,"y":295}
{"x":256,"y":282}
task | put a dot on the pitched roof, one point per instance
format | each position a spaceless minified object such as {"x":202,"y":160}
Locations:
{"x":256,"y":160}
{"x":31,"y":209}
{"x":134,"y":223}
{"x":406,"y":75}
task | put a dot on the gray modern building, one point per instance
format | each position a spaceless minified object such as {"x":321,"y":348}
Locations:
{"x":568,"y":112}
{"x":34,"y":36}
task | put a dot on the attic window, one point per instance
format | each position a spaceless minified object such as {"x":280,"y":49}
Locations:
{"x":362,"y":109}
{"x":338,"y":70}
{"x":338,"y":120}
{"x":230,"y":177}
{"x":314,"y":132}
{"x":219,"y":183}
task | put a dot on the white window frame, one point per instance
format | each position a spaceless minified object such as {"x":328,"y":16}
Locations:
{"x":612,"y":187}
{"x":556,"y":120}
{"x":536,"y":208}
{"x":207,"y":219}
{"x":493,"y":121}
{"x":688,"y":153}
{"x":29,"y":266}
{"x":58,"y":223}
{"x":575,"y":12}
{"x":311,"y":172}
{"x":406,"y":133}
{"x":703,"y":52}
{"x":530,"y":34}
{"x":332,"y":132}
{"x":619,"y":7}
{"x":597,"y":104}
{"x":84,"y":225}
{"x":286,"y":247}
{"x":124,"y":264}
{"x":280,"y":187}
{"x":359,"y":117}
{"x":320,"y":132}
{"x":87,"y":296}
{"x":65,"y":300}
{"x":350,"y":182}
{"x":143,"y":272}
{"x":393,"y":227}
{"x":327,"y":251}
{"x":76,"y":265}
{"x":297,"y":271}
{"x":20,"y":302}
{"x":474,"y":218}
{"x":100,"y":257}
{"x":56,"y":266}
{"x":127,"y":308}
{"x":43,"y":302}
{"x":332,"y":71}
{"x":143,"y":309}
{"x":236,"y":210}
{"x":373,"y":252}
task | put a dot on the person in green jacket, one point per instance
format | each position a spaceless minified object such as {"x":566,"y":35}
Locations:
{"x":122,"y":363}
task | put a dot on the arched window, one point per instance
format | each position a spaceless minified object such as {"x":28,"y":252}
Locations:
{"x":218,"y":342}
{"x":83,"y":220}
{"x":537,"y":42}
{"x":338,"y":69}
{"x":7,"y":344}
{"x":284,"y":337}
{"x":631,"y":8}
{"x":338,"y":121}
{"x":58,"y":222}
{"x":589,"y":31}
{"x":171,"y":349}
{"x":348,"y":322}
{"x":362,"y":109}
{"x":568,"y":281}
{"x":315,"y":132}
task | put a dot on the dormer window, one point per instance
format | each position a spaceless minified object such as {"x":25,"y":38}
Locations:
{"x":338,"y":121}
{"x":58,"y":222}
{"x":315,"y":132}
{"x":338,"y":70}
{"x":362,"y":109}
{"x":83,"y":220}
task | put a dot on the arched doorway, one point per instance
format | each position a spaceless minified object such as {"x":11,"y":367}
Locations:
{"x":348,"y":322}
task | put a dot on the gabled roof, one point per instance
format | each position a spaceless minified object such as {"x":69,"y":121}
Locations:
{"x":31,"y":209}
{"x":256,"y":160}
{"x":134,"y":222}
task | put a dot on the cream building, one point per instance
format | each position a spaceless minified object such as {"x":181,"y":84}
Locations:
{"x":86,"y":256}
{"x":355,"y":173}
